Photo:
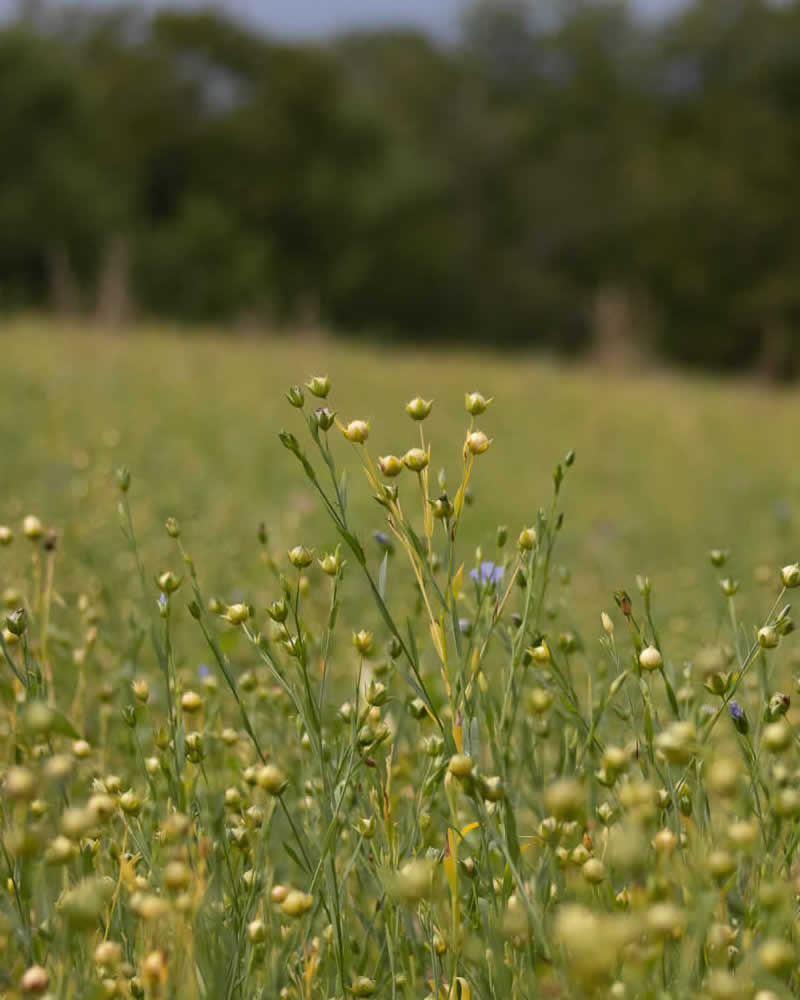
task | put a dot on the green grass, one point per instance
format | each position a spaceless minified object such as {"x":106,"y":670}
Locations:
{"x":487,"y":793}
{"x":667,"y":466}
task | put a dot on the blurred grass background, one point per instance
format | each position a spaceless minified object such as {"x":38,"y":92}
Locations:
{"x":668,"y":465}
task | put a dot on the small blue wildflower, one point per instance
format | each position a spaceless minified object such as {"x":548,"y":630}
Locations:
{"x":738,"y":716}
{"x":489,"y":573}
{"x":383,"y":540}
{"x":203,"y":670}
{"x":162,"y":600}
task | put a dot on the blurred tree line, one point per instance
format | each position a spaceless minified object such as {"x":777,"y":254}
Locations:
{"x":577,"y":180}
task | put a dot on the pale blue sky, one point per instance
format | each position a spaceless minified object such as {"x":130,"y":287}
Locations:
{"x":322,"y":17}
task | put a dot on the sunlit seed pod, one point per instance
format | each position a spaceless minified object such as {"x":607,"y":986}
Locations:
{"x":191,"y":702}
{"x":278,"y":894}
{"x":168,"y":582}
{"x":237,"y":614}
{"x":742,"y":834}
{"x":460,"y":765}
{"x":32,"y":528}
{"x":777,"y":956}
{"x":665,"y":920}
{"x":790,"y":576}
{"x":721,"y":864}
{"x":152,"y":765}
{"x":724,"y":776}
{"x":130,"y":803}
{"x":665,"y":841}
{"x":768,"y":637}
{"x":527,"y":539}
{"x":108,"y":954}
{"x":271,"y":779}
{"x":607,"y":623}
{"x":363,"y":641}
{"x":594,"y":871}
{"x":35,"y":980}
{"x":776,"y":737}
{"x":540,"y":700}
{"x":319,"y":386}
{"x":493,"y":789}
{"x":77,"y":823}
{"x":154,"y":969}
{"x":650,"y":659}
{"x":297,"y":903}
{"x":356,"y":431}
{"x":59,"y":767}
{"x":6,"y":535}
{"x":477,"y":443}
{"x":256,"y":931}
{"x":141,"y":690}
{"x":419,"y":408}
{"x":565,"y":799}
{"x":362,"y":986}
{"x":60,"y":850}
{"x":416,"y":459}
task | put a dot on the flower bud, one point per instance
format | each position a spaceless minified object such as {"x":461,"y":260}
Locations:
{"x":295,"y":396}
{"x":607,"y":623}
{"x":278,"y":611}
{"x":32,"y":528}
{"x":650,"y":658}
{"x":565,"y":799}
{"x":300,"y":557}
{"x":173,"y":528}
{"x":366,"y":827}
{"x":319,"y":386}
{"x":16,"y":622}
{"x":419,"y":408}
{"x":442,"y":508}
{"x":324,"y":418}
{"x":168,"y":582}
{"x":527,"y":539}
{"x":778,"y":706}
{"x":377,"y":694}
{"x":739,"y":717}
{"x":141,"y":690}
{"x":177,"y":876}
{"x":790,"y":576}
{"x":362,"y":640}
{"x":476,"y":404}
{"x":768,"y":637}
{"x":6,"y":535}
{"x":191,"y":702}
{"x":356,"y":431}
{"x":390,"y":465}
{"x":331,"y":563}
{"x":237,"y":614}
{"x":278,"y":894}
{"x":129,"y":803}
{"x":729,"y":586}
{"x":416,"y":459}
{"x":123,"y":478}
{"x":540,"y":653}
{"x":477,"y":442}
{"x":718,"y":557}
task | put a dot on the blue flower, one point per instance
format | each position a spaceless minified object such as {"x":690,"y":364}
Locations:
{"x":382,"y":539}
{"x":203,"y":670}
{"x":738,"y":716}
{"x":489,"y":573}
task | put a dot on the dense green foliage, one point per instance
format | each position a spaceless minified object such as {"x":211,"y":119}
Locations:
{"x":500,"y":189}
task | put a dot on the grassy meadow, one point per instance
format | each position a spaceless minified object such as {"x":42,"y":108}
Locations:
{"x":241,"y":762}
{"x":667,"y":466}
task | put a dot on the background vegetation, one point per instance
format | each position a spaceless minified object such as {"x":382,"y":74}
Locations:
{"x":588,"y":182}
